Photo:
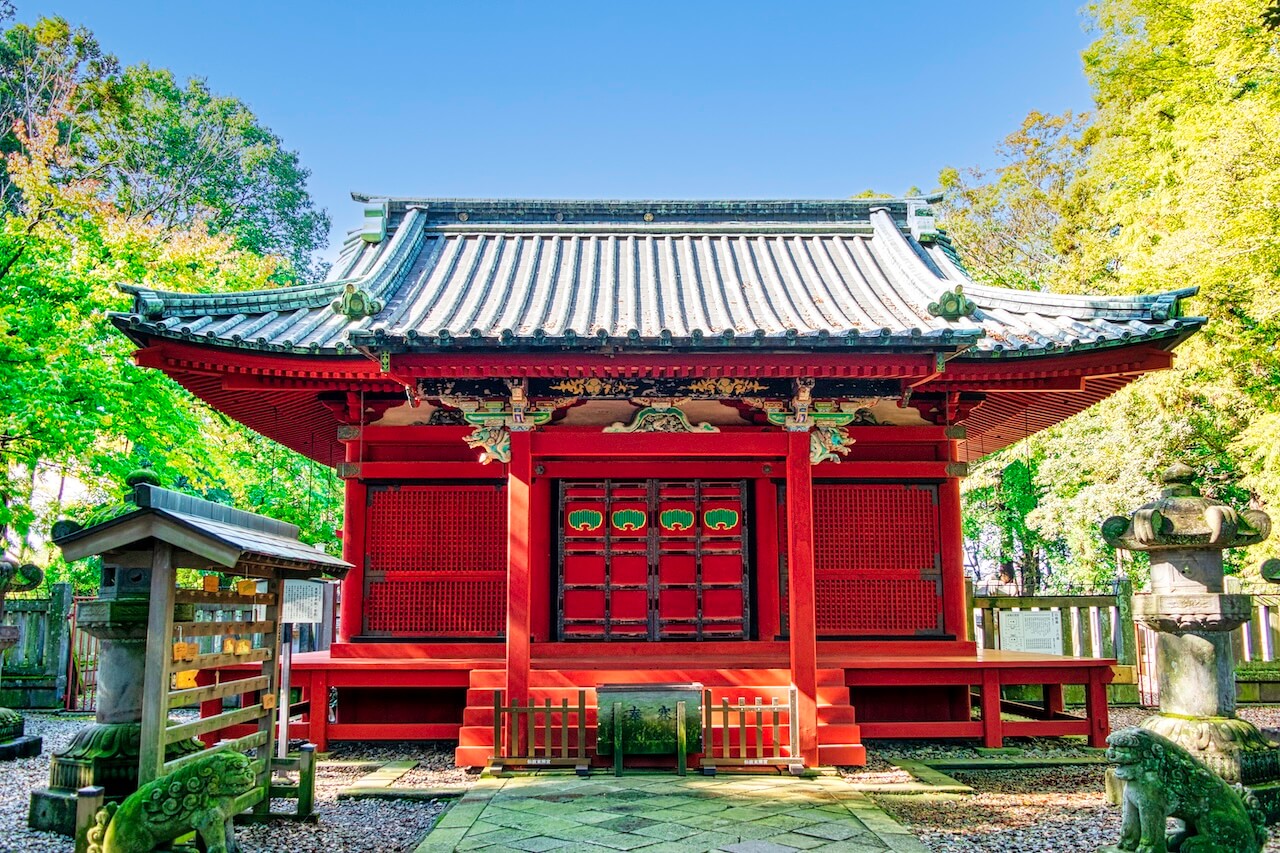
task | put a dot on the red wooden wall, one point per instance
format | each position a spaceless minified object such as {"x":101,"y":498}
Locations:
{"x":877,"y":559}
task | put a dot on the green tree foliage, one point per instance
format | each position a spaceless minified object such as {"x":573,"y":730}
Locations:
{"x":42,"y":64}
{"x":1172,"y":181}
{"x":175,"y":154}
{"x":85,"y":208}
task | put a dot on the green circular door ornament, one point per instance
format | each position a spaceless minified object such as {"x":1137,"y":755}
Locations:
{"x":720,"y":519}
{"x":629,"y":519}
{"x":586,"y":519}
{"x":676,"y":519}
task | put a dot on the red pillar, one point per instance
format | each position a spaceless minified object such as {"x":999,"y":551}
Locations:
{"x":955,"y":619}
{"x":318,"y":709}
{"x":519,"y":566}
{"x":351,"y":612}
{"x":800,"y":586}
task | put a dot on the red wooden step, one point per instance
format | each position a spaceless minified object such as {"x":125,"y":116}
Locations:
{"x":497,"y":678}
{"x":833,"y":694}
{"x":836,"y":714}
{"x":839,"y":733}
{"x":845,"y":754}
{"x":472,"y":756}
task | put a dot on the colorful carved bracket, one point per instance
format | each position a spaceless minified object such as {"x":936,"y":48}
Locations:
{"x":828,"y":444}
{"x":494,"y":443}
{"x":660,"y":417}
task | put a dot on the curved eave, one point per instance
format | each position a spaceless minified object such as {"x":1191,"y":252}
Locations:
{"x":969,"y":343}
{"x":1166,"y":335}
{"x":882,"y":297}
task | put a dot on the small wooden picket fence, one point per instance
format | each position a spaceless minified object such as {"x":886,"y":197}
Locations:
{"x":525,"y":734}
{"x":746,"y":753}
{"x":518,"y":739}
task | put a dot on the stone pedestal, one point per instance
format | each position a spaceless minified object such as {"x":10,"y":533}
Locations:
{"x":1185,"y":535}
{"x":1196,"y":674}
{"x":106,"y":753}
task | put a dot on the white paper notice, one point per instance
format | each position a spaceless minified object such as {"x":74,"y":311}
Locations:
{"x":1031,"y":631}
{"x":303,"y":602}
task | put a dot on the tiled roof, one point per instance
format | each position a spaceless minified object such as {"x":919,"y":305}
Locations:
{"x":454,"y":273}
{"x":250,"y":536}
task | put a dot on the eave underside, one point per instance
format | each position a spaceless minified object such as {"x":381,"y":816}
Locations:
{"x":301,"y":402}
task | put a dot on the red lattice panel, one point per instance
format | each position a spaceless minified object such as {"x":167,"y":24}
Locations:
{"x":437,"y":561}
{"x":877,"y":559}
{"x":889,"y":606}
{"x":875,"y":526}
{"x":454,"y":607}
{"x":442,"y":528}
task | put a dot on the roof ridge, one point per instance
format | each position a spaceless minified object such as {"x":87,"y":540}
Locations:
{"x":1090,"y":305}
{"x":646,"y":210}
{"x":151,"y":302}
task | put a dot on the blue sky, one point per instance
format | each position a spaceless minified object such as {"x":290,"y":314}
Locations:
{"x":615,"y":100}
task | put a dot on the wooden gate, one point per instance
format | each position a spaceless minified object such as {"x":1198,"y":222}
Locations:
{"x":653,"y":560}
{"x":82,"y":666}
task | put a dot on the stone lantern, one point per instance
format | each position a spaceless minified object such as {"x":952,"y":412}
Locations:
{"x":1185,"y":533}
{"x":106,"y":752}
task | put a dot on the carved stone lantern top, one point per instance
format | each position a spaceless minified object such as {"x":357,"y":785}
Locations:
{"x":1182,"y":518}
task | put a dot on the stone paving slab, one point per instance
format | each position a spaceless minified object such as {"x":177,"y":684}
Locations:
{"x":663,"y":813}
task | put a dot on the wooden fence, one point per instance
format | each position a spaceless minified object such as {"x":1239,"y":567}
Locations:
{"x":1099,"y":626}
{"x":82,"y":670}
{"x":34,"y":673}
{"x":1103,"y":626}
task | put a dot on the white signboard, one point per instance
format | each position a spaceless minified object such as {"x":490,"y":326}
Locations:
{"x":303,"y":602}
{"x":1031,"y":631}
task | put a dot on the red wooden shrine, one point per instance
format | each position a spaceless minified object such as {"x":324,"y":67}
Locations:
{"x":597,"y":442}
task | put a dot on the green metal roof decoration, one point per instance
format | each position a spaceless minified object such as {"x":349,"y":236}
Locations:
{"x":448,"y":274}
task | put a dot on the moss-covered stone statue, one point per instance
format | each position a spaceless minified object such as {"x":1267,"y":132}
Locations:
{"x":199,"y":796}
{"x":1162,"y":780}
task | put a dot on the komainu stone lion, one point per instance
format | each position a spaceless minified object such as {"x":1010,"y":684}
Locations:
{"x":1162,"y":780}
{"x":198,"y":796}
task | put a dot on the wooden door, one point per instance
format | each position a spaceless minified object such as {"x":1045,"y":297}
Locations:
{"x":653,"y":560}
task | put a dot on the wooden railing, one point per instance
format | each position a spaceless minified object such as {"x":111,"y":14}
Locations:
{"x":745,"y":718}
{"x":1103,"y":626}
{"x":519,"y":739}
{"x":1092,"y":625}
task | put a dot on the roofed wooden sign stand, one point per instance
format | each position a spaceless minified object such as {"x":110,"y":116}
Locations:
{"x":589,"y":443}
{"x":142,"y":548}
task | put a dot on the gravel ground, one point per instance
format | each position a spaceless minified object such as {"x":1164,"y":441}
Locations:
{"x":19,"y":778}
{"x":1057,"y":810}
{"x":350,"y":826}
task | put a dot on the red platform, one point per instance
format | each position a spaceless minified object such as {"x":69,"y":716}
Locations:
{"x":951,"y":678}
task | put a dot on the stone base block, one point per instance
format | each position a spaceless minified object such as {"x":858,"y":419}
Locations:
{"x":1231,"y":747}
{"x":21,"y":747}
{"x":1112,"y":788}
{"x":1268,"y":795}
{"x":53,"y":810}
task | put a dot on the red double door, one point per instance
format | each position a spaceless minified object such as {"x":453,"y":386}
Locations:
{"x":653,"y":560}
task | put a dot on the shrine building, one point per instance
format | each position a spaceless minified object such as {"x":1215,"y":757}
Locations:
{"x":597,"y":442}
